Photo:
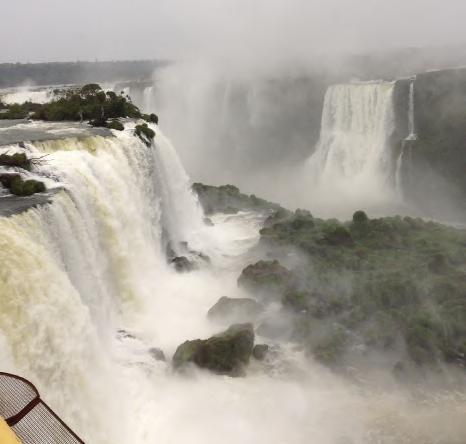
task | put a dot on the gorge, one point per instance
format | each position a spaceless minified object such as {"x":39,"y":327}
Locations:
{"x":90,"y":291}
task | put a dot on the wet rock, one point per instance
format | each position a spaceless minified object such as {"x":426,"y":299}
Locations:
{"x":208,"y":222}
{"x":182,"y":264}
{"x":7,"y":179}
{"x":19,"y":160}
{"x":157,"y":354}
{"x":226,"y":353}
{"x":124,"y":334}
{"x":235,"y":310}
{"x":260,"y":351}
{"x":265,"y":278}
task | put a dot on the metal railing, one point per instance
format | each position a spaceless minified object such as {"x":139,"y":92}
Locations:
{"x":32,"y":420}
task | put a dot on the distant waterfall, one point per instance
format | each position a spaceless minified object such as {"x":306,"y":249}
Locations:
{"x":411,"y":124}
{"x":352,"y":163}
{"x":147,"y":99}
{"x":412,"y":136}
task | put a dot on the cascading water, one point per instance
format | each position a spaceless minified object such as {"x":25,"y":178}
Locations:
{"x":85,"y":291}
{"x":352,"y":163}
{"x":412,"y":136}
{"x":147,"y":99}
{"x":411,"y":124}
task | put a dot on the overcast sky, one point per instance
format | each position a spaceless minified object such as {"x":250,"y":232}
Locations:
{"x":46,"y":30}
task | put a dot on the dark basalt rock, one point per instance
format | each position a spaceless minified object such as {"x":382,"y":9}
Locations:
{"x":226,"y":353}
{"x":157,"y":354}
{"x":7,"y":178}
{"x":183,"y":264}
{"x":265,"y":277}
{"x":235,"y":310}
{"x":260,"y":351}
{"x":19,"y":160}
{"x":20,"y":187}
{"x":124,"y":334}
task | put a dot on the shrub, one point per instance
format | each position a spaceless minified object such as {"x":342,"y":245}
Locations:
{"x":19,"y":160}
{"x":145,"y":133}
{"x":115,"y":125}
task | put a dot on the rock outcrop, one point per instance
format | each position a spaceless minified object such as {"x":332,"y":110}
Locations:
{"x":235,"y":310}
{"x":226,"y":353}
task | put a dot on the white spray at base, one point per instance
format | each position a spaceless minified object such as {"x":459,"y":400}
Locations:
{"x":351,"y":166}
{"x":77,"y":270}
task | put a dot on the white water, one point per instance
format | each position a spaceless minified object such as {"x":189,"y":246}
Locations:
{"x":412,"y":135}
{"x":351,"y":166}
{"x":27,"y":94}
{"x":74,"y":272}
{"x":411,"y":124}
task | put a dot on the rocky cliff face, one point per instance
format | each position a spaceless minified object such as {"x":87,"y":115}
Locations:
{"x":434,"y":163}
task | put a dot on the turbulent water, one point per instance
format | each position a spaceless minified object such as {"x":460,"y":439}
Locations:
{"x":85,"y":292}
{"x":352,"y":164}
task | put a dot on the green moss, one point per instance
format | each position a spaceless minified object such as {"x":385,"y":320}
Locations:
{"x":266,"y":278}
{"x":115,"y":125}
{"x":226,"y":353}
{"x":19,"y":187}
{"x":19,"y":160}
{"x":151,"y":118}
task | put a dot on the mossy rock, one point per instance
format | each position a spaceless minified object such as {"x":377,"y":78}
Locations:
{"x":226,"y":353}
{"x":260,"y":351}
{"x":151,"y":118}
{"x":115,"y":125}
{"x":20,"y":187}
{"x":182,"y":264}
{"x":235,"y":310}
{"x":145,"y":133}
{"x":265,"y":277}
{"x":7,"y":179}
{"x":228,"y":199}
{"x":19,"y":160}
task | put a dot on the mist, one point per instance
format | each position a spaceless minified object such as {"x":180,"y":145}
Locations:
{"x":339,"y":128}
{"x":236,"y":32}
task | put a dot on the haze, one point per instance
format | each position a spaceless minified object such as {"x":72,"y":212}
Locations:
{"x":259,"y":30}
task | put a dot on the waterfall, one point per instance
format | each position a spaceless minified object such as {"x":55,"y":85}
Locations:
{"x":411,"y":124}
{"x":412,"y":136}
{"x":85,"y":292}
{"x":75,"y":271}
{"x":147,"y":100}
{"x":352,"y":162}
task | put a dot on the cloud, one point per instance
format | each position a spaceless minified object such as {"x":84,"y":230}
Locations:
{"x":230,"y":29}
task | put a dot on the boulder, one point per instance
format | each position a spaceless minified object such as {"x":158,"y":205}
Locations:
{"x":226,"y":353}
{"x":260,"y":351}
{"x":157,"y":354}
{"x":7,"y":178}
{"x":235,"y":310}
{"x":265,"y":277}
{"x":182,"y":264}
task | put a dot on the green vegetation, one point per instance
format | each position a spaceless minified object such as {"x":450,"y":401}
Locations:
{"x":265,"y":278}
{"x":89,"y":103}
{"x":370,"y":285}
{"x":19,"y":187}
{"x":115,"y":125}
{"x":235,"y":310}
{"x":226,"y":353}
{"x":228,"y":199}
{"x":145,"y":133}
{"x":19,"y":160}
